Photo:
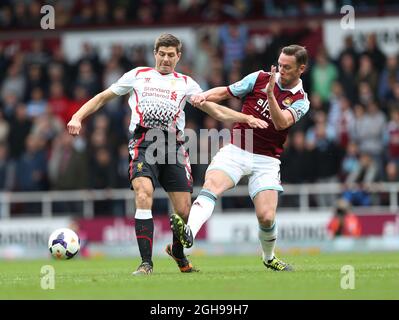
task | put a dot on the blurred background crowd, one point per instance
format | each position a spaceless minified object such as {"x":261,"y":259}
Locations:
{"x":350,"y":134}
{"x":82,"y":13}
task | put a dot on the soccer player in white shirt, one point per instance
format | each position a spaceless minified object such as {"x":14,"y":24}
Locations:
{"x":157,"y":99}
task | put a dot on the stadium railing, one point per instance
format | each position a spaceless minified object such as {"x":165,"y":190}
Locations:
{"x":302,"y":192}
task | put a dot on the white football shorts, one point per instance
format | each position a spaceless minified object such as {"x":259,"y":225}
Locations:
{"x":263,"y":171}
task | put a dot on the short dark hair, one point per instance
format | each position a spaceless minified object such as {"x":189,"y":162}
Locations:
{"x":300,"y":53}
{"x":167,"y":40}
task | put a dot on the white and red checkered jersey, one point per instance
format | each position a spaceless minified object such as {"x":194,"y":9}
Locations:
{"x":156,"y":100}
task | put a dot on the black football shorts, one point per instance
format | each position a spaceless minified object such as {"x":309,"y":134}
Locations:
{"x":160,"y":156}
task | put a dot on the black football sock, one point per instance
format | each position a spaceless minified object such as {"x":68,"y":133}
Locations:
{"x":144,"y":236}
{"x":177,"y":248}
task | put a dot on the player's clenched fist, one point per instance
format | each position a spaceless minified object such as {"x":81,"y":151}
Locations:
{"x":74,"y":126}
{"x":197,"y":100}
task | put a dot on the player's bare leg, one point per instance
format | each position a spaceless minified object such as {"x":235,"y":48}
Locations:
{"x":265,"y":206}
{"x":216,"y":182}
{"x":144,"y":223}
{"x":181,"y":203}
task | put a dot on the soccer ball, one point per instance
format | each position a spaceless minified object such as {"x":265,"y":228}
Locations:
{"x":63,"y":244}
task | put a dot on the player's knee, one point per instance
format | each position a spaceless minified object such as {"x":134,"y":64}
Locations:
{"x":212,"y":185}
{"x":143,"y":198}
{"x":266,"y":217}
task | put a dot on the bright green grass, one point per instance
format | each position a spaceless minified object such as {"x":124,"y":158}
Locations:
{"x":225,"y":277}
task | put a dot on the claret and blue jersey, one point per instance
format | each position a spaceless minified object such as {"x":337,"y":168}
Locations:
{"x":252,"y":89}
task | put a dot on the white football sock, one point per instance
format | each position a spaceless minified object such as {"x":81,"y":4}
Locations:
{"x":267,"y":238}
{"x":143,"y":214}
{"x":201,"y":210}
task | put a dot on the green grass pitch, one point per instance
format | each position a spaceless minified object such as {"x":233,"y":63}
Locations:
{"x":317,"y":276}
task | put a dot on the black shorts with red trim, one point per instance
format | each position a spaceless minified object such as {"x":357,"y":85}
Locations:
{"x":160,"y":156}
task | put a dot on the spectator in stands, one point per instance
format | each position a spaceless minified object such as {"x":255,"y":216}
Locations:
{"x":34,"y":15}
{"x":112,"y":73}
{"x":120,"y":16}
{"x":393,"y":101}
{"x":20,"y":14}
{"x":68,"y":170}
{"x":233,"y":38}
{"x":89,"y":54}
{"x":349,"y":48}
{"x":84,"y":17}
{"x":122,"y":162}
{"x":68,"y":167}
{"x":205,"y":51}
{"x":137,"y":57}
{"x":4,"y":128}
{"x":213,"y":11}
{"x":341,"y":121}
{"x":87,"y":79}
{"x":10,"y":102}
{"x":31,"y":168}
{"x":145,"y":13}
{"x":37,"y":104}
{"x":368,"y":133}
{"x":37,"y":54}
{"x":323,"y":74}
{"x":389,"y":76}
{"x":14,"y":82}
{"x":392,"y":136}
{"x":35,"y":79}
{"x":344,"y":223}
{"x":102,"y":12}
{"x":391,"y":176}
{"x":102,"y":176}
{"x":20,"y":126}
{"x":367,"y":73}
{"x":350,"y":162}
{"x":359,"y":182}
{"x":374,"y":52}
{"x":392,"y":172}
{"x":295,"y":160}
{"x":326,"y":159}
{"x":58,"y":102}
{"x":7,"y":20}
{"x":253,"y":60}
{"x":47,"y":127}
{"x":57,"y":74}
{"x":7,"y":169}
{"x":3,"y":62}
{"x":347,"y":76}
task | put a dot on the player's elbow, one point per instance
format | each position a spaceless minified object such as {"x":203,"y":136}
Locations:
{"x":281,"y":126}
{"x":104,"y":96}
{"x":283,"y":123}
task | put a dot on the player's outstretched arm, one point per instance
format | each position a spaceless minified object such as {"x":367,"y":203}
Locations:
{"x":91,"y":106}
{"x":225,"y":114}
{"x":215,"y":95}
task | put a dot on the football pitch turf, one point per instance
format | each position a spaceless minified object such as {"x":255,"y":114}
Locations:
{"x":317,"y":276}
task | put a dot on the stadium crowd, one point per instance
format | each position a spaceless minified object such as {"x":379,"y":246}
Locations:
{"x":350,"y":134}
{"x":25,"y":14}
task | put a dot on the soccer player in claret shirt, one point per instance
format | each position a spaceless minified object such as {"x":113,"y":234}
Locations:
{"x":157,"y":99}
{"x":279,"y":99}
